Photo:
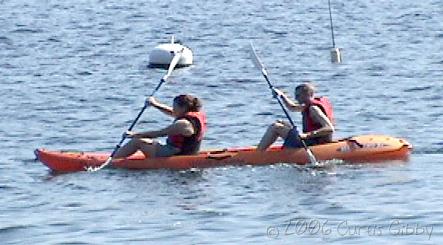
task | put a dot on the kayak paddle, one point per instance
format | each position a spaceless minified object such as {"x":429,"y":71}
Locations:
{"x":257,"y":62}
{"x":172,"y":65}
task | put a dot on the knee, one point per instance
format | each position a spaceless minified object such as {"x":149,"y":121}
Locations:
{"x":280,"y":129}
{"x":134,"y":142}
{"x":276,"y":127}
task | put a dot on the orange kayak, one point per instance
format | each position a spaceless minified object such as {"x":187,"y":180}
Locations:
{"x":357,"y":149}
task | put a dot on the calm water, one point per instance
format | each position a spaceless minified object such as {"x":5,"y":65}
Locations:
{"x":74,"y":74}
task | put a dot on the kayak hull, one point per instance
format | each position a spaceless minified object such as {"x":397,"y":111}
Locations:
{"x":357,"y":149}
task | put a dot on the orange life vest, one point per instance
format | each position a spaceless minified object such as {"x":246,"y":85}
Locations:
{"x":190,"y":145}
{"x":326,"y":107}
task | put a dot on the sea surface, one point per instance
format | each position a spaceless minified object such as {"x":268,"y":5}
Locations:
{"x":74,"y":74}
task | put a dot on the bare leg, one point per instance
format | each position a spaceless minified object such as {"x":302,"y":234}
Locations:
{"x":127,"y":150}
{"x":274,"y":131}
{"x":147,"y":146}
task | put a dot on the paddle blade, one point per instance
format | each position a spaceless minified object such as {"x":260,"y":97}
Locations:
{"x":94,"y":169}
{"x":173,"y":63}
{"x":312,"y":159}
{"x":256,"y":60}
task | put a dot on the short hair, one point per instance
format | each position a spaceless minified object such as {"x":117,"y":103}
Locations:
{"x":306,"y":86}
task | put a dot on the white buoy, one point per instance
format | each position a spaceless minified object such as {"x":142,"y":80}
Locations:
{"x":161,"y":55}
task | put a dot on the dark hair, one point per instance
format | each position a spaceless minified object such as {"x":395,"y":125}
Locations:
{"x":190,"y":102}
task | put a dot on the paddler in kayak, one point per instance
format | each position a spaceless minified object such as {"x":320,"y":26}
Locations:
{"x":184,"y":135}
{"x":317,"y":116}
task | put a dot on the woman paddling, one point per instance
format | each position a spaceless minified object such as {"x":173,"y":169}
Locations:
{"x":317,"y":120}
{"x":184,"y":135}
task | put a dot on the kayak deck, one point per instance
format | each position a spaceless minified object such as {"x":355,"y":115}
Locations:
{"x":357,"y":149}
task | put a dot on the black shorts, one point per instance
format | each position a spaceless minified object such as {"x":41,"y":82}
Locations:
{"x":293,"y":140}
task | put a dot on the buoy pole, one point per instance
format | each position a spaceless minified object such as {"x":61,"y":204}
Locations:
{"x":335,"y":52}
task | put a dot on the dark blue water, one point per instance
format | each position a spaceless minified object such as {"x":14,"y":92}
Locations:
{"x":74,"y":74}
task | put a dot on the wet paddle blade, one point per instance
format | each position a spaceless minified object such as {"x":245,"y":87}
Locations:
{"x":174,"y":62}
{"x":94,"y":169}
{"x":256,"y":60}
{"x":312,"y":159}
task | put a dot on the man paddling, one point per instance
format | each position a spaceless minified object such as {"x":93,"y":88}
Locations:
{"x":317,"y":116}
{"x":184,"y":135}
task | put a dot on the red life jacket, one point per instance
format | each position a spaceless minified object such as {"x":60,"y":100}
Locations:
{"x":326,"y":107}
{"x":190,"y":145}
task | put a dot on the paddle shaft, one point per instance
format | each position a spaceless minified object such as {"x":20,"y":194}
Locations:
{"x":262,"y":68}
{"x":279,"y":101}
{"x":135,"y":120}
{"x":285,"y":110}
{"x":172,"y":65}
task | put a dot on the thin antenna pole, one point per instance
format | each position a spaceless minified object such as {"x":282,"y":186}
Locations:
{"x":332,"y":25}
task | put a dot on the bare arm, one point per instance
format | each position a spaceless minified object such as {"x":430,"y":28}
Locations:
{"x":161,"y":107}
{"x":290,"y":104}
{"x":183,"y":127}
{"x":320,"y":117}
